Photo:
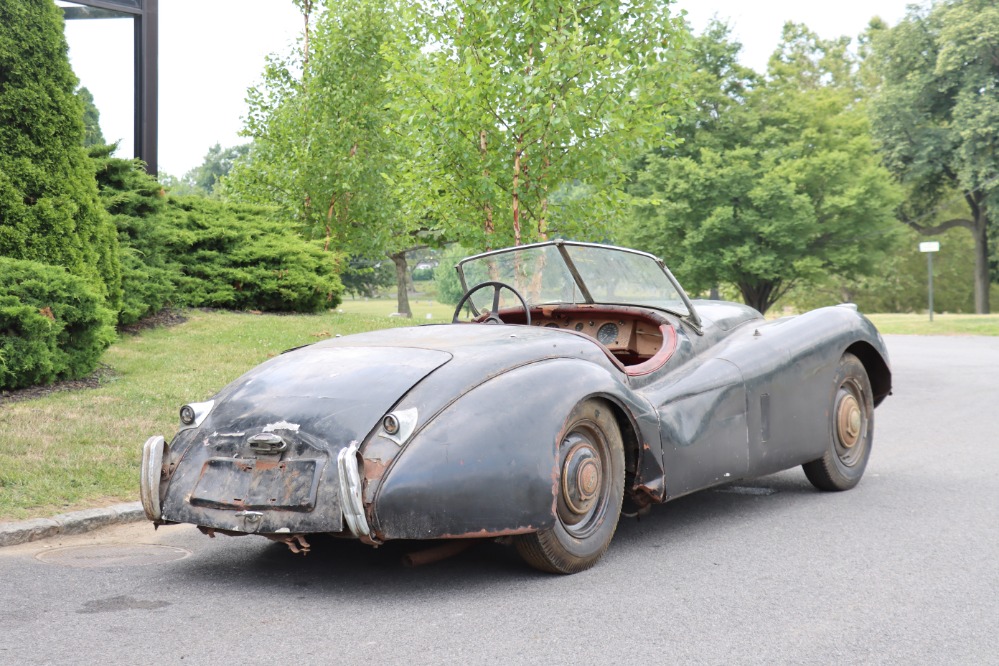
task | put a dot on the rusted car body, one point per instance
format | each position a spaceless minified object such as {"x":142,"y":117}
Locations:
{"x":585,"y":380}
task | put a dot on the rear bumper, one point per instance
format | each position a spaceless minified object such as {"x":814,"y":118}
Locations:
{"x":169,"y":500}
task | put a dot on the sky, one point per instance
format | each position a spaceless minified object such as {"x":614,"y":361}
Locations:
{"x":211,"y":51}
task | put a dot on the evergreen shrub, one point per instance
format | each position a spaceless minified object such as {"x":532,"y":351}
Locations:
{"x":136,"y":201}
{"x":198,"y":252}
{"x":49,"y":206}
{"x":53,"y":325}
{"x":238,"y":257}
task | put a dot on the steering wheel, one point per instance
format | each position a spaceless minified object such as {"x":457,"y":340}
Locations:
{"x":493,"y":317}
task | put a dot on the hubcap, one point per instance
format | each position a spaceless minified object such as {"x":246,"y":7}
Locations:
{"x":849,"y":421}
{"x":581,"y":481}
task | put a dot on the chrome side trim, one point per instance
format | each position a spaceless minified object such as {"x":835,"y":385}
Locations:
{"x":351,"y":503}
{"x":149,"y":478}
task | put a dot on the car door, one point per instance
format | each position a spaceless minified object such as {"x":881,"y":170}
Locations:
{"x":701,"y":404}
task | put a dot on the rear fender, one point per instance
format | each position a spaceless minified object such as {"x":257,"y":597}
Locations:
{"x":486,"y":465}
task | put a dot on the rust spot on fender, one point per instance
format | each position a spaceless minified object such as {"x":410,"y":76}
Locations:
{"x":374,"y":470}
{"x":648,"y":493}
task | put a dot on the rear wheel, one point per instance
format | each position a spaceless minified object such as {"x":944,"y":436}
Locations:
{"x":590,"y":490}
{"x":851,"y":430}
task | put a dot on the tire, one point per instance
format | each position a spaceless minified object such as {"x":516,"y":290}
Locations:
{"x":851,"y":430}
{"x":590,"y":491}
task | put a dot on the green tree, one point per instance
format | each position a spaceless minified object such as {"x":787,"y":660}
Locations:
{"x":901,"y":285}
{"x":49,"y":207}
{"x":366,"y":277}
{"x":514,"y":101}
{"x":449,"y":289}
{"x":320,"y":150}
{"x":935,"y":114}
{"x":217,"y":164}
{"x":778,"y":182}
{"x":92,"y":135}
{"x":177,"y":186}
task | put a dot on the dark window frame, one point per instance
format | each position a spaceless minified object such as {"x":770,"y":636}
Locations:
{"x":145,"y":16}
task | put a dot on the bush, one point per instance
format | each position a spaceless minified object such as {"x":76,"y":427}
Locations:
{"x":238,"y":257}
{"x":53,"y":325}
{"x":423,"y":274}
{"x":449,"y":289}
{"x":191,"y":251}
{"x":136,"y":201}
{"x":49,"y":207}
{"x":364,"y":277}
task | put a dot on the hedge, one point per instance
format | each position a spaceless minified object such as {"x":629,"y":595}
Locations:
{"x":199,"y":252}
{"x":53,"y":325}
{"x":50,"y":211}
{"x":238,"y":257}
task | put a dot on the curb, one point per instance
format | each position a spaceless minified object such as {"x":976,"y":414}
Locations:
{"x":76,"y":522}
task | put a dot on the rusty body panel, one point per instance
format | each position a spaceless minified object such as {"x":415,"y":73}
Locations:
{"x":454,"y":431}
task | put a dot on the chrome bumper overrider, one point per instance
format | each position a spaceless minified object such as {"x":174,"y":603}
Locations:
{"x":351,"y":503}
{"x":149,"y":479}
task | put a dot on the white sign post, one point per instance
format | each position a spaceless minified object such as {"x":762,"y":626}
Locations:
{"x":929,"y":248}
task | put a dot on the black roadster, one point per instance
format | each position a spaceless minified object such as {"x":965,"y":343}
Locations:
{"x":575,"y":379}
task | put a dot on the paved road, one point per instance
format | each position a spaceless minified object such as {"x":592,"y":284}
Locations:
{"x":903,"y":569}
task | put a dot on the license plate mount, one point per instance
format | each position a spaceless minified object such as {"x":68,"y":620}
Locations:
{"x":248,"y":483}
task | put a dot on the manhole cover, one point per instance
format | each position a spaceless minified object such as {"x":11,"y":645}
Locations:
{"x":112,"y":555}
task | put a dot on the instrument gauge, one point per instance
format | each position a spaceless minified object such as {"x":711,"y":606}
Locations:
{"x":607,"y":334}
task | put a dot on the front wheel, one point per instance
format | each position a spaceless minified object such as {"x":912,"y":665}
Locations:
{"x":851,"y":430}
{"x":590,"y":490}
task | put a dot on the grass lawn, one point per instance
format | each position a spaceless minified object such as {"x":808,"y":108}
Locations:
{"x":383,"y":307}
{"x":942,"y":324}
{"x":79,"y":449}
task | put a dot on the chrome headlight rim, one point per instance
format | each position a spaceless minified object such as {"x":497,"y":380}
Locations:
{"x":398,"y":426}
{"x":193,"y":414}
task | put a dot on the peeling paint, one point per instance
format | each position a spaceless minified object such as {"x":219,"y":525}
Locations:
{"x":281,"y":425}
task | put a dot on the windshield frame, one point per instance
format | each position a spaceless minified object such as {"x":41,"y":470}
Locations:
{"x":564,"y":251}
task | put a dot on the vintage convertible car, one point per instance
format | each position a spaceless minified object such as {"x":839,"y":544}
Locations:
{"x":584,"y":379}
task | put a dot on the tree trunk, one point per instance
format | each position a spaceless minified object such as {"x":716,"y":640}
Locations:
{"x":401,"y":280}
{"x":982,"y":282}
{"x":516,"y":191}
{"x":758,"y":296}
{"x":486,"y":207}
{"x":543,"y":220}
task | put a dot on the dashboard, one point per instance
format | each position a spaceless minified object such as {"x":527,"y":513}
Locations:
{"x":630,"y":338}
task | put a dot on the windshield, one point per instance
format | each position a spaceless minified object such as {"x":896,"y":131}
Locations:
{"x":543,"y":274}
